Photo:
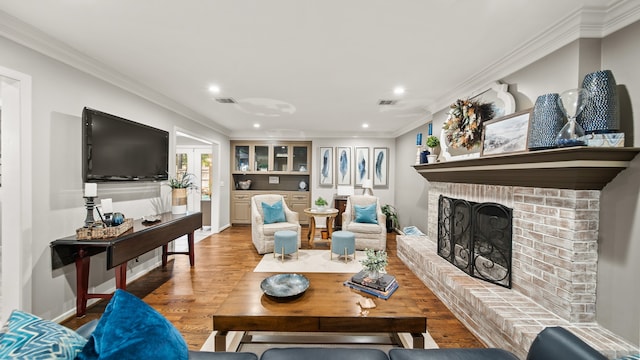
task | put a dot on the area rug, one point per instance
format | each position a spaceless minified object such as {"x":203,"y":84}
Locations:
{"x":310,"y":261}
{"x":263,"y":340}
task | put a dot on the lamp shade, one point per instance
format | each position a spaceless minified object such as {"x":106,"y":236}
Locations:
{"x":367,"y":185}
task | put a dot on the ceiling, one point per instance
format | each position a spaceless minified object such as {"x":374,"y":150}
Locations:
{"x":303,"y":68}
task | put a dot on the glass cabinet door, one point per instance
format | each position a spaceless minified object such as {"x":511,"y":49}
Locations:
{"x":261,"y":158}
{"x":280,"y":158}
{"x":300,"y":159}
{"x":241,"y":157}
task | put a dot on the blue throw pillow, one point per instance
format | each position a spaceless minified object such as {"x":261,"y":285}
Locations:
{"x":273,"y":213}
{"x":26,"y":336}
{"x":131,"y":329}
{"x":366,"y":214}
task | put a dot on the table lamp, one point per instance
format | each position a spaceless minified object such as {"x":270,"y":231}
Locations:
{"x":367,"y":186}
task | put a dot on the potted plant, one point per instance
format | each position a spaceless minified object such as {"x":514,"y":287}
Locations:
{"x":321,"y":203}
{"x":392,"y":217}
{"x":179,"y":186}
{"x":433,"y":143}
{"x":374,"y":263}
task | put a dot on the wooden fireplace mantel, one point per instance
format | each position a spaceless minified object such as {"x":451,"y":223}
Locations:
{"x":577,"y":168}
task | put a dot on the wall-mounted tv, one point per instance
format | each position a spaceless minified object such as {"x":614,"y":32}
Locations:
{"x":117,"y":149}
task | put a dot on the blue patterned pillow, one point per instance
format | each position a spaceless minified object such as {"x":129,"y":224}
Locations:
{"x":630,"y":357}
{"x":273,"y":213}
{"x":131,"y":329}
{"x":366,"y":214}
{"x":27,"y":336}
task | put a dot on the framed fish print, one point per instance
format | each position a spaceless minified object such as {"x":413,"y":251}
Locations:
{"x":343,"y":165}
{"x":362,"y":165}
{"x":380,"y":167}
{"x":326,"y":166}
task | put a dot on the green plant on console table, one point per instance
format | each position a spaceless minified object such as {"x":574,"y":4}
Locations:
{"x":321,"y":202}
{"x":183,"y":182}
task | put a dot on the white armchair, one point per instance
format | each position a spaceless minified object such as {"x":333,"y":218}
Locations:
{"x":261,"y":233}
{"x":368,"y":235}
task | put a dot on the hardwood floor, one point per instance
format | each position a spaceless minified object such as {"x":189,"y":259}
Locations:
{"x":189,"y":296}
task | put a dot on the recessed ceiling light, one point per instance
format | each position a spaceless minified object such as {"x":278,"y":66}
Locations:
{"x":365,"y":125}
{"x":214,"y":89}
{"x":256,"y":125}
{"x":399,"y":90}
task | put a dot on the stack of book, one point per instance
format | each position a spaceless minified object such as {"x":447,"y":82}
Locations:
{"x":382,"y":287}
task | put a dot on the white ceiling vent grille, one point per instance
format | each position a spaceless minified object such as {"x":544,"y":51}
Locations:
{"x":225,"y":100}
{"x":387,"y":102}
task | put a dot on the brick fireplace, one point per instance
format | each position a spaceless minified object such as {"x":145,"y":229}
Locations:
{"x":554,"y":265}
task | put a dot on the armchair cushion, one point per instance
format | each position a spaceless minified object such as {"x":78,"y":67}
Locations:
{"x":273,"y":213}
{"x":366,"y":214}
{"x":131,"y":329}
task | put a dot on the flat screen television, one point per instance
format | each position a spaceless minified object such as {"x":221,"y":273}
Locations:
{"x":117,"y":149}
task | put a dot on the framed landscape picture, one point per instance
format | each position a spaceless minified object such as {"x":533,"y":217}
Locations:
{"x":508,"y":134}
{"x":326,"y":166}
{"x":380,"y":167}
{"x":362,"y":165}
{"x":343,"y":165}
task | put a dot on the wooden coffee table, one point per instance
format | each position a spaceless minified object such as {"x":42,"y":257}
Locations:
{"x":327,"y":306}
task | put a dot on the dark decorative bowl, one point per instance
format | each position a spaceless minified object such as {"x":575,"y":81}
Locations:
{"x":284,"y":285}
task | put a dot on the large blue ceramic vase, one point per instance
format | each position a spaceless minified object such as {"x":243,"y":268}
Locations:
{"x":546,"y":122}
{"x":600,"y":114}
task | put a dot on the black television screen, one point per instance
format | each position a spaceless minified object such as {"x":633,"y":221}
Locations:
{"x":117,"y":149}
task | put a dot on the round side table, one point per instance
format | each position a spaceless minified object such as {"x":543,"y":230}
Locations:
{"x":329,"y":214}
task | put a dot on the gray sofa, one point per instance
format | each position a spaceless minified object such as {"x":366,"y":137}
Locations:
{"x":553,"y":343}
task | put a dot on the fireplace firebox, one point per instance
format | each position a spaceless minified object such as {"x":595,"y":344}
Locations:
{"x":476,"y":238}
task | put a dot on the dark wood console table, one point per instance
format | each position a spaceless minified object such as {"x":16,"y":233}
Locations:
{"x":133,"y":243}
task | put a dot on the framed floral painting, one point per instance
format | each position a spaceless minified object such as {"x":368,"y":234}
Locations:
{"x":380,"y":167}
{"x":343,"y":165}
{"x":362,"y":165}
{"x":326,"y":166}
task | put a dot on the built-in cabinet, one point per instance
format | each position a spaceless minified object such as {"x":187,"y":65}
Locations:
{"x":274,"y":167}
{"x":278,"y":157}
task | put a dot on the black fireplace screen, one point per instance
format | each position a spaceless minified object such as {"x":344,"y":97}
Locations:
{"x":476,"y":238}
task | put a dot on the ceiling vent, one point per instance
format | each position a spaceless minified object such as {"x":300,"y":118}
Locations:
{"x":387,"y":102}
{"x":225,"y":100}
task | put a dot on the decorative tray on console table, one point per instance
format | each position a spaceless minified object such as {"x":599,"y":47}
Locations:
{"x":103,"y":232}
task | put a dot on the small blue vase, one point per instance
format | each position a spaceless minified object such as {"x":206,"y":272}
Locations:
{"x":546,"y":122}
{"x":600,"y":114}
{"x":117,"y":219}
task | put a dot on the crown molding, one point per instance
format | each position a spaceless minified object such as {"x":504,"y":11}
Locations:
{"x":586,"y":22}
{"x":34,"y":39}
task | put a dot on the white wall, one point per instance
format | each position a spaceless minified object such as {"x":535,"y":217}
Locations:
{"x":617,"y":306}
{"x":59,"y":94}
{"x":619,"y":234}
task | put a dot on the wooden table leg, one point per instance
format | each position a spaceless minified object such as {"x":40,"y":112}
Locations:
{"x":121,"y":276}
{"x":165,"y":254}
{"x":418,"y":340}
{"x":220,"y":341}
{"x":82,"y":282}
{"x":312,"y":230}
{"x":190,"y":240}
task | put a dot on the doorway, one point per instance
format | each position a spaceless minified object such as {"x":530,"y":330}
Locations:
{"x":198,"y":157}
{"x":15,"y":192}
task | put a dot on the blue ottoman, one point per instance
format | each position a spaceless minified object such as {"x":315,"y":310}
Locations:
{"x":343,"y":243}
{"x":285,"y":242}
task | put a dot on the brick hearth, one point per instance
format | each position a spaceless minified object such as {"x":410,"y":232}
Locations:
{"x":555,"y":234}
